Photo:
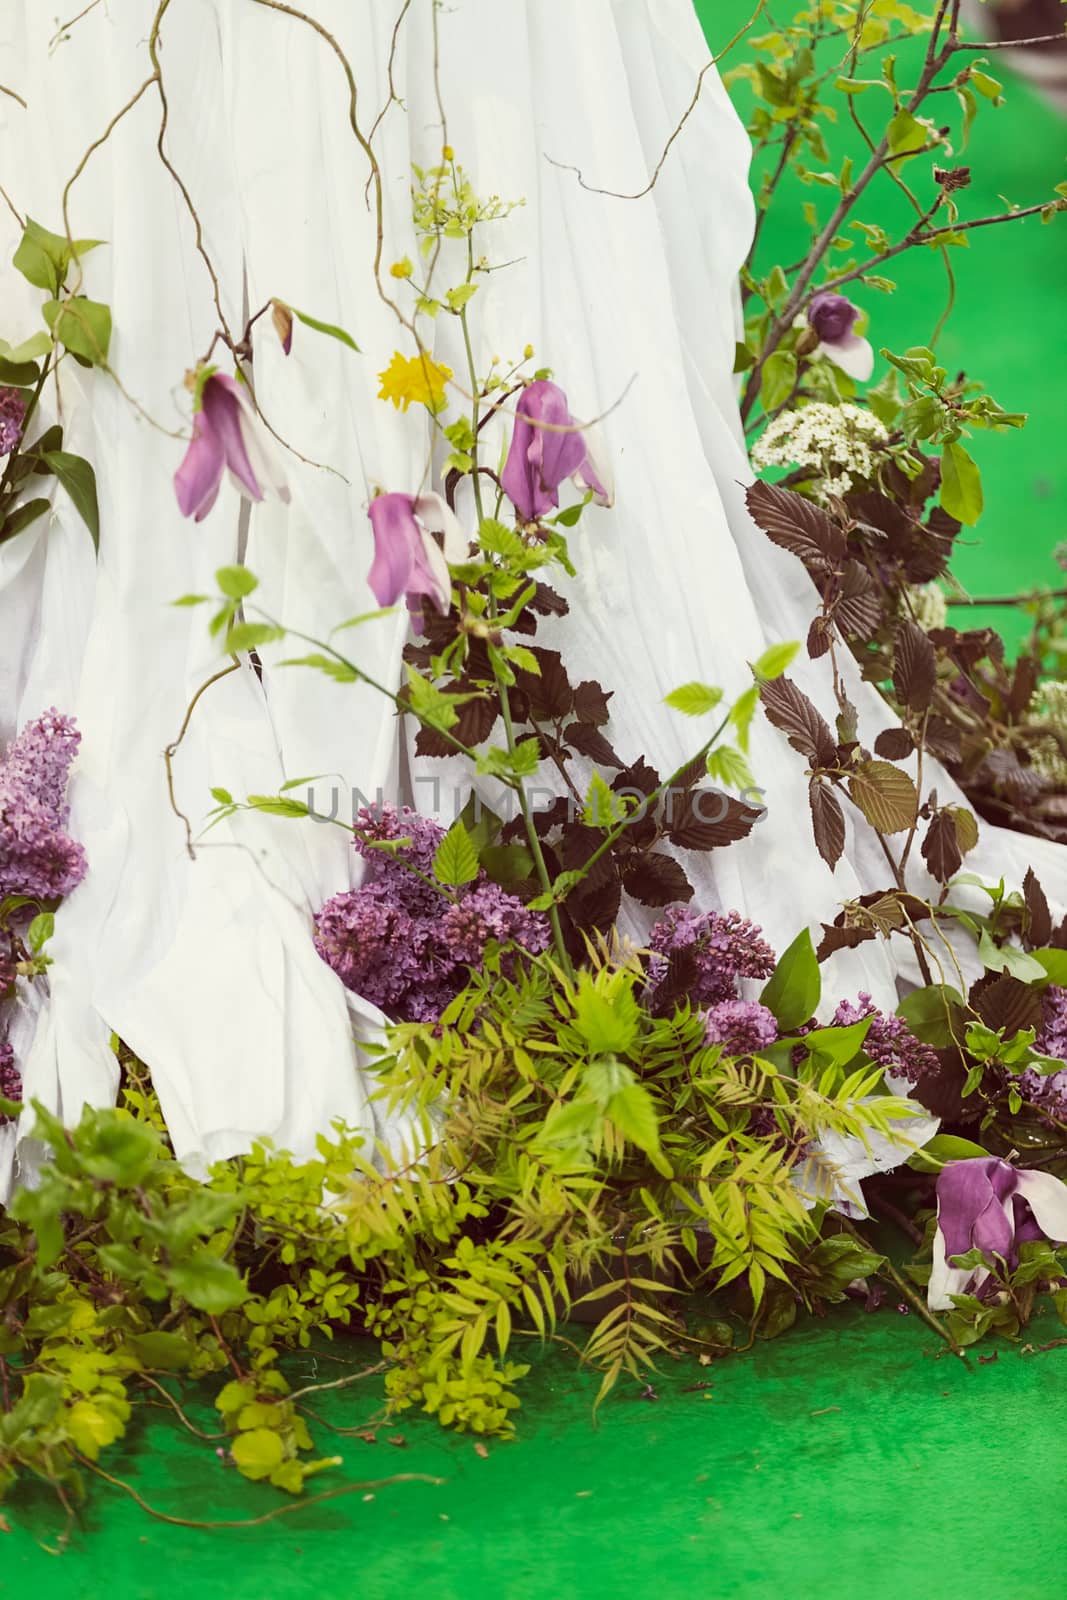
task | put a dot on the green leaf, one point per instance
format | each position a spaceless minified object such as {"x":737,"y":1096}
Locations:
{"x":258,"y":1453}
{"x":744,"y":358}
{"x":729,"y":767}
{"x":23,"y":516}
{"x":456,"y":861}
{"x":633,"y":1113}
{"x":961,"y":484}
{"x":989,"y":87}
{"x":1007,"y":958}
{"x":166,"y":1352}
{"x":40,"y":931}
{"x":19,"y":374}
{"x":83,"y":326}
{"x":327,"y":328}
{"x":507,"y":864}
{"x":93,"y":1425}
{"x":934,"y":1015}
{"x":606,"y":1015}
{"x":742,"y":712}
{"x":778,"y":379}
{"x":773,"y":662}
{"x":236,"y":582}
{"x":605,"y":1077}
{"x":43,"y":257}
{"x":602,"y":808}
{"x":944,"y":1147}
{"x":1054,"y":963}
{"x":694,"y":699}
{"x":78,"y":478}
{"x":907,"y":136}
{"x":250,"y":635}
{"x":792,"y":992}
{"x":208,"y":1283}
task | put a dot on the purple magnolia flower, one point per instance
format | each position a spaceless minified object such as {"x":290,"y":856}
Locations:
{"x":12,"y":417}
{"x":547,"y":446}
{"x":989,"y":1205}
{"x":407,"y":558}
{"x":833,"y":317}
{"x":227,"y":436}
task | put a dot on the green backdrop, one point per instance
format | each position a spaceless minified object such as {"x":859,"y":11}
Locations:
{"x":1009,"y":326}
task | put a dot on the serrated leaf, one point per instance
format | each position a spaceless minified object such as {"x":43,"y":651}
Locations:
{"x":796,"y":525}
{"x":774,"y":660}
{"x":694,"y":699}
{"x":634,"y":1114}
{"x":886,"y":796}
{"x":456,"y":860}
{"x":827,"y":822}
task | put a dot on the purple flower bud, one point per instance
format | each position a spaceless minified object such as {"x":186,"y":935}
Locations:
{"x":227,"y":436}
{"x":547,"y":446}
{"x":833,"y":318}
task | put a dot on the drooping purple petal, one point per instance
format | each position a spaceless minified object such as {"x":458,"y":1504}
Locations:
{"x":197,"y":480}
{"x":397,"y":542}
{"x":221,"y":409}
{"x":971,"y":1206}
{"x":547,"y":446}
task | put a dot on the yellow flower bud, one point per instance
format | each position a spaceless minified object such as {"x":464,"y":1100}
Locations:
{"x":447,"y":153}
{"x":527,"y":354}
{"x":401,"y":269}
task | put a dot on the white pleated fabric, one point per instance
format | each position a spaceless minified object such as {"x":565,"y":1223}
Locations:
{"x":206,"y":968}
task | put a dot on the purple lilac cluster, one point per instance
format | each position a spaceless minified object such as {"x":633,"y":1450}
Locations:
{"x":10,"y":1076}
{"x":889,"y":1042}
{"x":397,"y":940}
{"x":724,"y":946}
{"x":1049,"y":1089}
{"x":37,"y":857}
{"x":742,"y":1027}
{"x":12,"y":418}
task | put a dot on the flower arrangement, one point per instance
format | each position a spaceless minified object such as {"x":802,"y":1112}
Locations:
{"x":643,"y":1131}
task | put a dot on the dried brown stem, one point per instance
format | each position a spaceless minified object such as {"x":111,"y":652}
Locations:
{"x":172,"y":749}
{"x":367,"y":1486}
{"x":686,"y":114}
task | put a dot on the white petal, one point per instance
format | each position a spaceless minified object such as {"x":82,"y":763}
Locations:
{"x":1047,"y":1198}
{"x":438,"y":570}
{"x":596,"y":458}
{"x":438,"y":517}
{"x":852,"y":354}
{"x":835,"y":1162}
{"x":946,"y":1280}
{"x":262,"y":454}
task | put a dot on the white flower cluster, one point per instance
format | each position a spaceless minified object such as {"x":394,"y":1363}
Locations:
{"x":928,"y":606}
{"x":833,"y":440}
{"x":1050,"y":705}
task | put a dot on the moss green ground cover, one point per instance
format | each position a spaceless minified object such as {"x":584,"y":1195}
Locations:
{"x":1009,"y":326}
{"x":848,"y":1458}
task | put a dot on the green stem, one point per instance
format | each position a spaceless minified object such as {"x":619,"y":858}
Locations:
{"x":544,"y":877}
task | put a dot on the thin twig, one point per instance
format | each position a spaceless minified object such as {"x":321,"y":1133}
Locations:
{"x":172,"y":749}
{"x":338,"y":1383}
{"x":268,"y":1516}
{"x":888,"y":1270}
{"x":62,"y":29}
{"x":11,"y":206}
{"x":13,"y":95}
{"x":686,"y":114}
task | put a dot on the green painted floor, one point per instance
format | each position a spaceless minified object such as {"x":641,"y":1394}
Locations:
{"x":848,"y":1459}
{"x":1009,"y":326}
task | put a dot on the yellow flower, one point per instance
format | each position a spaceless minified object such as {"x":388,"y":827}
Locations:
{"x":447,"y":153}
{"x":402,"y":268}
{"x":418,"y":379}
